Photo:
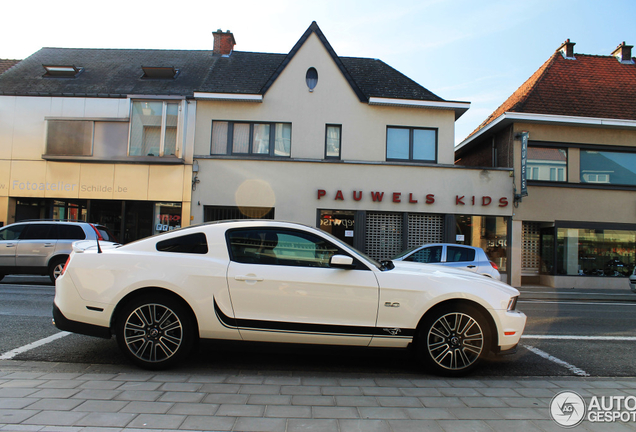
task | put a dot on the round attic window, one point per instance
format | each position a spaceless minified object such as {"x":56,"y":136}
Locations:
{"x":311,"y":78}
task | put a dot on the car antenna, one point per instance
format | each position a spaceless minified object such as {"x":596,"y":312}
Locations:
{"x":99,"y":249}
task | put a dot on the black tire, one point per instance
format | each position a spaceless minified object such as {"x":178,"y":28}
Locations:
{"x":55,"y":267}
{"x":452,"y":339}
{"x":155,"y":332}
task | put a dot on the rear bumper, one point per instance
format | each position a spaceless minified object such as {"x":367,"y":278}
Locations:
{"x":62,"y":323}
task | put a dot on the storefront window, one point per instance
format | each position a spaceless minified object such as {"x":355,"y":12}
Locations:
{"x":68,"y":210}
{"x":595,"y":252}
{"x":339,"y":223}
{"x":167,"y":217}
{"x":487,"y":232}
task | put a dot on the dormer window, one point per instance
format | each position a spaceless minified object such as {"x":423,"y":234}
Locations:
{"x":62,"y":71}
{"x":153,"y":72}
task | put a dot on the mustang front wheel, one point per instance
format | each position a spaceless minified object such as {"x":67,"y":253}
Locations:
{"x":453,"y":340}
{"x":154,"y":333}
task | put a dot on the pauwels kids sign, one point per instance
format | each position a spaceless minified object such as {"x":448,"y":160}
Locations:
{"x":410,"y":198}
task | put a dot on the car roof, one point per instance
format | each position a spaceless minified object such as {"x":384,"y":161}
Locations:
{"x":449,"y":244}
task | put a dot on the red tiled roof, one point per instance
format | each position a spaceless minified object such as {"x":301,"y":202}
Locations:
{"x":6,"y":64}
{"x":543,"y":153}
{"x":589,"y":86}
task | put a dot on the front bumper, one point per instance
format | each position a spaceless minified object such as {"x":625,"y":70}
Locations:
{"x":511,"y":325}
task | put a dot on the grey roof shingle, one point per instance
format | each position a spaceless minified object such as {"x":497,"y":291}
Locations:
{"x":118,"y":73}
{"x":107,"y":72}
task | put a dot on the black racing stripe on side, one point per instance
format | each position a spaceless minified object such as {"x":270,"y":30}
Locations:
{"x":223,"y":318}
{"x":330,"y":329}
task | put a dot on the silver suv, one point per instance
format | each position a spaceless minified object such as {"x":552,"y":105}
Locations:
{"x":41,"y":247}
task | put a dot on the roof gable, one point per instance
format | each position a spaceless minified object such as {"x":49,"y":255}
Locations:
{"x":313,"y":28}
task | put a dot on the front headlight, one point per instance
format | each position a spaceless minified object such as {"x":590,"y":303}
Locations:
{"x":512,"y":304}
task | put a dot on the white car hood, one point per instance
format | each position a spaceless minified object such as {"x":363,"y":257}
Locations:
{"x":411,"y":268}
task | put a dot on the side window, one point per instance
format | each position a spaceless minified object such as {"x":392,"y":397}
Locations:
{"x":459,"y":254}
{"x":280,"y":247}
{"x":427,"y":255}
{"x":332,"y":141}
{"x":191,"y":244}
{"x":40,"y":232}
{"x":11,"y":232}
{"x":70,"y":232}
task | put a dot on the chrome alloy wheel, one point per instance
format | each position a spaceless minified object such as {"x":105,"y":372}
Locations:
{"x":57,"y":270}
{"x":455,"y":341}
{"x":153,"y":333}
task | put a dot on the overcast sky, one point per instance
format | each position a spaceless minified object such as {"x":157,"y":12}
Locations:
{"x":477,"y":51}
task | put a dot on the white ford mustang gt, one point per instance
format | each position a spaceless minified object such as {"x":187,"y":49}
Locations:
{"x":279,"y":282}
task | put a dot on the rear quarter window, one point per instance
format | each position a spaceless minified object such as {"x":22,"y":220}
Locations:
{"x":459,"y":254}
{"x":70,"y":232}
{"x":190,"y":244}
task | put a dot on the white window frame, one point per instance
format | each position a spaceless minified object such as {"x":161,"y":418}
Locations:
{"x":162,"y":137}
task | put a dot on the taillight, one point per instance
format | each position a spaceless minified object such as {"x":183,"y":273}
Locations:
{"x":494,"y":265}
{"x":65,"y":265}
{"x":99,"y":236}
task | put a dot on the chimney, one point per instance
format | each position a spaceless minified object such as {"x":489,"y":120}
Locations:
{"x":567,"y":50}
{"x":623,"y":53}
{"x":223,"y":42}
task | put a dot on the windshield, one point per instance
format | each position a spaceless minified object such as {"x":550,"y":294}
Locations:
{"x":404,"y":253}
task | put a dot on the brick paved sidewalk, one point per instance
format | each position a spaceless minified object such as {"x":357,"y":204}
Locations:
{"x":84,"y":398}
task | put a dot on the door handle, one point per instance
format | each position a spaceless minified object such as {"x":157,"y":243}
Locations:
{"x":471,"y":266}
{"x":249,"y":278}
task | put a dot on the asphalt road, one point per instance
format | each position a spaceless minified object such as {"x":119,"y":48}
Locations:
{"x":564,"y":337}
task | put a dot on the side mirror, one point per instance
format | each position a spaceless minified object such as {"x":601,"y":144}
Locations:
{"x":341,"y":261}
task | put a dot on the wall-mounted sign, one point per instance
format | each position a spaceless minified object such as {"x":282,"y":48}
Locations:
{"x":524,"y":164}
{"x":410,"y":198}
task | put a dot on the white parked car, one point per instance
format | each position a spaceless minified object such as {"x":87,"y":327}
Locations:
{"x":279,"y":282}
{"x":469,"y":258}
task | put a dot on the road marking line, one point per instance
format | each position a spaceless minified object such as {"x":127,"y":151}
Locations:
{"x":573,"y":293}
{"x":545,"y":355}
{"x":625,"y":303}
{"x":573,"y":337}
{"x":9,"y":355}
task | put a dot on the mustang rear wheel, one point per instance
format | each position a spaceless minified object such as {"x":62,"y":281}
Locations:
{"x":453,"y":339}
{"x":155,"y":332}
